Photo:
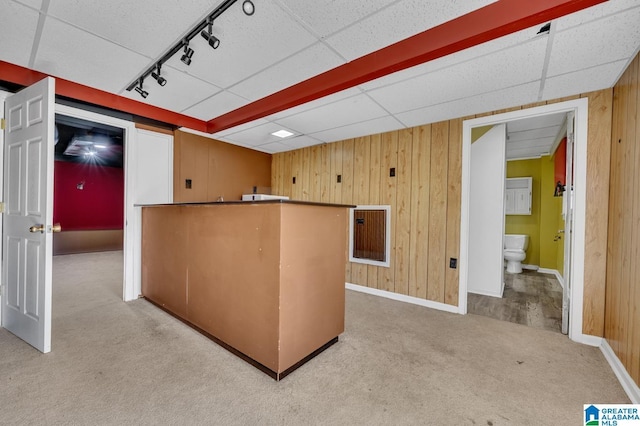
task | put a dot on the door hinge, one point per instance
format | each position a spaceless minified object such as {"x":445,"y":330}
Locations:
{"x":2,"y":123}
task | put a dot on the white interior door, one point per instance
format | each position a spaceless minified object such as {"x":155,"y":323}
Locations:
{"x":486,"y":213}
{"x":568,"y":201}
{"x":28,"y":217}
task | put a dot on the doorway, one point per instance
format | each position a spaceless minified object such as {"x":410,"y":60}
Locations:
{"x":577,"y":196}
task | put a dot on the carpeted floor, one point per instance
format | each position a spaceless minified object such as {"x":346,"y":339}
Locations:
{"x":397,"y":364}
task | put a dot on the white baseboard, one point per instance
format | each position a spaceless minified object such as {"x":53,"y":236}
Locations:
{"x":403,"y":298}
{"x":629,"y":386}
{"x":588,"y":340}
{"x":488,"y":293}
{"x":553,"y":272}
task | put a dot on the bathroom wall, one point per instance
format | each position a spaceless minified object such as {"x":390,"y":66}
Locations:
{"x":542,"y":225}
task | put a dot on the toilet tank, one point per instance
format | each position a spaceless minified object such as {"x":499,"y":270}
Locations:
{"x":516,"y":241}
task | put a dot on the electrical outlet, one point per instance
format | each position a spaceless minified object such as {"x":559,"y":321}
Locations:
{"x":187,"y":183}
{"x":294,"y":179}
{"x":392,"y":172}
{"x":453,"y":263}
{"x":339,"y":178}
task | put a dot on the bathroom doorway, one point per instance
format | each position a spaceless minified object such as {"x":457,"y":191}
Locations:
{"x":575,"y":207}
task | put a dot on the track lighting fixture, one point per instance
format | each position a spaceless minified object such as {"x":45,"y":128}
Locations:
{"x":140,"y":90}
{"x":205,"y":28}
{"x":213,"y":40}
{"x":188,"y":53}
{"x":156,"y":74}
{"x":248,"y":8}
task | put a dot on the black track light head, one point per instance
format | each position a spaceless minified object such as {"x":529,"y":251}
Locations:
{"x":156,"y":75}
{"x":208,"y":35}
{"x":140,"y":90}
{"x":188,"y":53}
{"x":248,"y":7}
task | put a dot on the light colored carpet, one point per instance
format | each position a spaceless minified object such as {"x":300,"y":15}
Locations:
{"x":396,"y":364}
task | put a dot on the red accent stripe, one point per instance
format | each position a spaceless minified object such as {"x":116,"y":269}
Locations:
{"x":488,"y":23}
{"x":25,"y":77}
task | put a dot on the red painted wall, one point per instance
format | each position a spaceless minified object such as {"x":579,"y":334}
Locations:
{"x":99,"y":205}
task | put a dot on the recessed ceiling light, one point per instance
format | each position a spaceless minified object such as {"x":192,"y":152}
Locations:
{"x":282,"y":133}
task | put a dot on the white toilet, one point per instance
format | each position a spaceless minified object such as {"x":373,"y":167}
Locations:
{"x":515,"y":247}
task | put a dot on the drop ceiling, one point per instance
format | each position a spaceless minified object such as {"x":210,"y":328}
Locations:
{"x":107,"y":45}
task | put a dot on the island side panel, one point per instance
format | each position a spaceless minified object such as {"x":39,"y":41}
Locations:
{"x":165,"y":258}
{"x":312,"y":282}
{"x":234,"y":256}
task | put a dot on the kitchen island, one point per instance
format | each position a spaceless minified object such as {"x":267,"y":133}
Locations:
{"x":265,"y":279}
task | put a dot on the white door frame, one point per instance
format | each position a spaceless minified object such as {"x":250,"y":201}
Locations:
{"x":580,"y":108}
{"x":3,"y":96}
{"x":129,"y":291}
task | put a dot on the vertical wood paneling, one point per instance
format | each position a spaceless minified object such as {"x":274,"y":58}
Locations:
{"x":335,"y":188}
{"x":375,"y":182}
{"x":305,"y":174}
{"x":622,"y":293}
{"x":315,"y":174}
{"x":438,"y":211}
{"x":419,"y":244}
{"x":454,"y":192}
{"x":402,"y":259}
{"x":287,"y":175}
{"x":633,"y":134}
{"x":388,"y":191}
{"x":325,"y":177}
{"x":361,"y":170}
{"x":597,"y":192}
{"x":347,"y":190}
{"x":296,"y":173}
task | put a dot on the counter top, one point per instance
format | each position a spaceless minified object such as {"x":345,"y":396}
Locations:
{"x":215,"y":203}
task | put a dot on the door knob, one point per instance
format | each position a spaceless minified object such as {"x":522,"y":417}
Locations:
{"x":56,"y":227}
{"x":37,"y":228}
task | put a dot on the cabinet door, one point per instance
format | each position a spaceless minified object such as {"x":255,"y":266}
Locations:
{"x":510,"y":203}
{"x":522,"y":201}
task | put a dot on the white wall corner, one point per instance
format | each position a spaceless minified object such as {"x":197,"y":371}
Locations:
{"x":629,"y":386}
{"x":403,"y":298}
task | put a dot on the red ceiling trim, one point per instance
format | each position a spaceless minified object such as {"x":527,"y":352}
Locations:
{"x":25,"y":77}
{"x":490,"y":22}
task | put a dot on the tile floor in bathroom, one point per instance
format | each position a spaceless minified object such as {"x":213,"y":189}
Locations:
{"x":530,"y":298}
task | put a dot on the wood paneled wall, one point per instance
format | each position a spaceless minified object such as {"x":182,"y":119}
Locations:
{"x":216,"y":169}
{"x":622,"y":313}
{"x":425,"y":201}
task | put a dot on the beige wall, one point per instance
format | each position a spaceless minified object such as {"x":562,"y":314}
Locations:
{"x":425,"y":201}
{"x":622,"y":313}
{"x":216,"y":169}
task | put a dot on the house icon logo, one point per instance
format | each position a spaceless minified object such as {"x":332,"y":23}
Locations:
{"x":592,"y":416}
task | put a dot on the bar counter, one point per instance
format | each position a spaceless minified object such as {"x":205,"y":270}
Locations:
{"x":265,"y":279}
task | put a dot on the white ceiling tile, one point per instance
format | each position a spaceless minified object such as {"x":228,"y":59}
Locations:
{"x":595,"y":12}
{"x":596,"y":78}
{"x":300,"y":142}
{"x":308,"y":63}
{"x":469,"y":54}
{"x":344,"y":94}
{"x":257,"y":135}
{"x":248,"y":44}
{"x":272,"y":147}
{"x":370,"y":127}
{"x":351,"y":110}
{"x":598,"y":42}
{"x":471,"y":78}
{"x":36,"y":4}
{"x":397,"y":22}
{"x":240,"y":128}
{"x":214,"y":106}
{"x":148,"y":27}
{"x":17,"y":29}
{"x":180,"y":91}
{"x":505,"y":98}
{"x":324,"y":17}
{"x":75,"y":55}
